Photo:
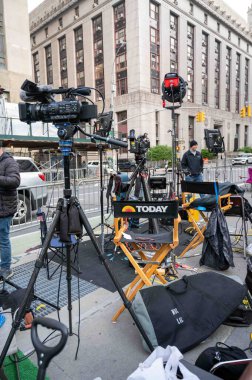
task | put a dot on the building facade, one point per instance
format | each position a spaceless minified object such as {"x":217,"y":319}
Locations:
{"x":124,"y":49}
{"x":15,"y":56}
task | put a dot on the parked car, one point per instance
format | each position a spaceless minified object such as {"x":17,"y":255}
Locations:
{"x":29,"y":199}
{"x":95,"y":164}
{"x":242,"y":159}
{"x":124,"y":165}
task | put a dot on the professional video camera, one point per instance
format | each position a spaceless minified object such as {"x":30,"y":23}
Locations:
{"x":48,"y":110}
{"x":139,"y":145}
{"x":214,"y":141}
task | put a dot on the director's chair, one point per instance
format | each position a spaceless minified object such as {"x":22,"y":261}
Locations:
{"x":202,"y":205}
{"x":160,"y":244}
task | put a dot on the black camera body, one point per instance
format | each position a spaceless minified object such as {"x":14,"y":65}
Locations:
{"x":69,"y":110}
{"x":48,"y":110}
{"x":139,"y":145}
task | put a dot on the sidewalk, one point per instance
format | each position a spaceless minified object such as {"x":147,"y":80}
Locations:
{"x":107,"y":350}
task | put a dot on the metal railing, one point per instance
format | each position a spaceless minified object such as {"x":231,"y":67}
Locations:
{"x":46,"y":197}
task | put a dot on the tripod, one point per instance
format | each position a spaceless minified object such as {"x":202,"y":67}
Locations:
{"x":141,"y":174}
{"x":66,"y":141}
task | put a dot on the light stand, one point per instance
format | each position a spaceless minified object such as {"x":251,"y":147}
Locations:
{"x":174,"y":90}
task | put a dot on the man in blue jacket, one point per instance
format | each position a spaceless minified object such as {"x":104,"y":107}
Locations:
{"x":192,"y":163}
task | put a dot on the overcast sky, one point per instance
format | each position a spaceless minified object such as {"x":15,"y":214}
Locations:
{"x":240,"y":6}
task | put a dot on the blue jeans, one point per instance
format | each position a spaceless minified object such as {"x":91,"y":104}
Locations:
{"x":5,"y":245}
{"x":196,"y":178}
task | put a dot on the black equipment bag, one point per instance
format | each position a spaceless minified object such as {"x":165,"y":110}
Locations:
{"x":217,"y":248}
{"x":222,"y":353}
{"x":75,"y":226}
{"x":242,"y":316}
{"x":189,"y":310}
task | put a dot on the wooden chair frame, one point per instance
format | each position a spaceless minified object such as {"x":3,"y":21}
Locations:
{"x":151,"y":265}
{"x":199,"y":234}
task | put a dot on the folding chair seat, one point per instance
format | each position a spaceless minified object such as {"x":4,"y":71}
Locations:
{"x":160,"y":244}
{"x":58,"y":249}
{"x":211,"y":197}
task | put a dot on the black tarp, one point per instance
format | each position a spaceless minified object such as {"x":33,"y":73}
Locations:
{"x":217,"y":248}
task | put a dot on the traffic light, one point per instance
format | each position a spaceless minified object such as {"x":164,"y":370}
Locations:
{"x":249,"y":111}
{"x":200,"y":117}
{"x":243,"y":112}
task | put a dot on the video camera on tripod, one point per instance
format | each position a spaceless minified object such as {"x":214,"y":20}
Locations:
{"x":48,"y":110}
{"x":140,"y":145}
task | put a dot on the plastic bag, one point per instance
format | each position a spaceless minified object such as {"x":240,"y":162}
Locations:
{"x":162,"y":364}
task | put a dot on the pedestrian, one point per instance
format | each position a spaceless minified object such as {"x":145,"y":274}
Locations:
{"x":9,"y":182}
{"x":192,"y":163}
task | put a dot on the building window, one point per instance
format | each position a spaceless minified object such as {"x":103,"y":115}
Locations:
{"x":246,"y":80}
{"x":36,"y":68}
{"x":205,"y":18}
{"x":79,"y":56}
{"x":190,"y":62}
{"x":60,"y":23}
{"x":191,"y":8}
{"x":120,"y":49}
{"x":46,"y":32}
{"x":2,"y":39}
{"x":154,"y":48}
{"x":98,"y":55}
{"x":239,"y":41}
{"x":157,"y":127}
{"x":204,"y":58}
{"x":217,"y":74}
{"x":76,"y":12}
{"x":247,"y":48}
{"x":63,"y":61}
{"x":122,"y":128}
{"x":218,"y":27}
{"x":246,"y":135}
{"x":191,"y":128}
{"x":229,"y":34}
{"x":228,"y":77}
{"x":236,"y":139}
{"x":34,"y":40}
{"x":173,"y":43}
{"x":237,"y":82}
{"x":49,"y":67}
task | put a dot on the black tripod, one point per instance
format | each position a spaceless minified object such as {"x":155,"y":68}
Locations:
{"x":66,"y":141}
{"x":139,"y":178}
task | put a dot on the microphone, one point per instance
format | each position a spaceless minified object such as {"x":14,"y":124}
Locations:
{"x":110,"y":141}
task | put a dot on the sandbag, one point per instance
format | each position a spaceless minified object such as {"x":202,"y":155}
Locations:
{"x":187,"y":311}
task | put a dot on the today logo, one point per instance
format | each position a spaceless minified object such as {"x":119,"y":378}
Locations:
{"x":161,"y":209}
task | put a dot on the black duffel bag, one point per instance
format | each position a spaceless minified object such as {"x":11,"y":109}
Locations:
{"x":222,"y":353}
{"x":189,"y":310}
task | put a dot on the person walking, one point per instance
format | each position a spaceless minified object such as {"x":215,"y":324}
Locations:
{"x":9,"y":182}
{"x":192,"y":163}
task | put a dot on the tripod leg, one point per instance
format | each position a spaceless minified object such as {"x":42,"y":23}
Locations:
{"x":125,"y":300}
{"x":69,"y":288}
{"x":29,"y":290}
{"x":147,"y":197}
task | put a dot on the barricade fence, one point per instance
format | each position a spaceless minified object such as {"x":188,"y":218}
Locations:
{"x":87,"y":189}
